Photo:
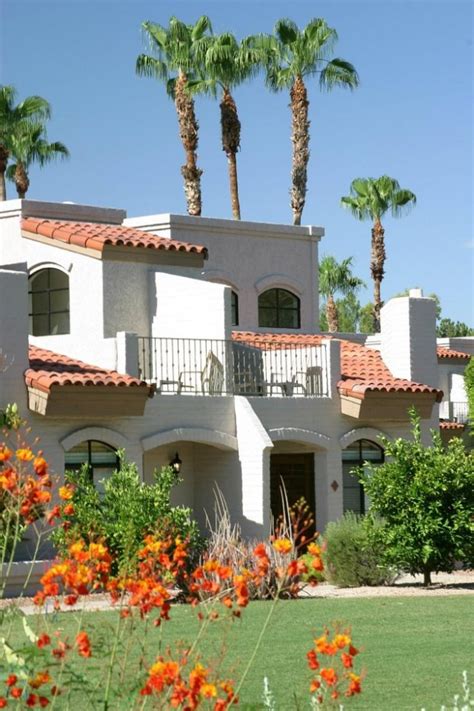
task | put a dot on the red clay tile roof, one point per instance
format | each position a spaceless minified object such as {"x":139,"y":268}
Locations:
{"x":48,"y":369}
{"x":445,"y":425}
{"x":451,"y":353}
{"x":362,"y":368}
{"x":96,"y":236}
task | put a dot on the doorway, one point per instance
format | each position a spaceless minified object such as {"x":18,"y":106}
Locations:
{"x":297,"y":472}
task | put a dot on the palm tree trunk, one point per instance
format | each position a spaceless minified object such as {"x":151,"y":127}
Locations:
{"x":22,"y":182}
{"x":230,"y":126}
{"x":188,"y":131}
{"x":3,"y":166}
{"x":332,"y":315}
{"x":300,"y":140}
{"x":377,"y":261}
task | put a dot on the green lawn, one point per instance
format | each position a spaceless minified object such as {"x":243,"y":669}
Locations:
{"x":414,"y":649}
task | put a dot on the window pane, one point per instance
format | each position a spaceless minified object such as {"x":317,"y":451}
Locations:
{"x":78,"y":454}
{"x":268,"y":298}
{"x":268,"y":318}
{"x":101,"y":453}
{"x":60,"y":300}
{"x":288,"y":319}
{"x":40,"y":326}
{"x":39,"y":280}
{"x":40,"y":303}
{"x":235,"y":308}
{"x":59,"y":324}
{"x":286,"y":299}
{"x":58,"y":279}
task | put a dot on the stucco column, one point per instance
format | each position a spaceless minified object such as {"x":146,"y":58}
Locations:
{"x":329,"y":486}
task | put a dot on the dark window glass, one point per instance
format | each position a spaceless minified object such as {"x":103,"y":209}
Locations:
{"x":100,"y":458}
{"x":234,"y":300}
{"x":352,"y":457}
{"x":278,"y":308}
{"x":48,"y":298}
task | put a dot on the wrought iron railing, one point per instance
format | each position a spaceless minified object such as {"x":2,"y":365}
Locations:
{"x":454,"y":411}
{"x":201,"y":366}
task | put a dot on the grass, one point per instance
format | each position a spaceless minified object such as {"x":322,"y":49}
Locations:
{"x":414,"y":649}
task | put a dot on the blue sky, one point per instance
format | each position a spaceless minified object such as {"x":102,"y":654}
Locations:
{"x":411,"y":118}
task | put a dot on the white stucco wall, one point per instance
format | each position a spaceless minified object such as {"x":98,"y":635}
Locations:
{"x":251,"y":257}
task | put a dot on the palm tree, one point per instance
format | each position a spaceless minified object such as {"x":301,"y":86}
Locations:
{"x":336,"y":277}
{"x":177,"y":49}
{"x":12,"y":119}
{"x":226,"y":65}
{"x":29,"y":145}
{"x":291,"y":56}
{"x":370,"y":199}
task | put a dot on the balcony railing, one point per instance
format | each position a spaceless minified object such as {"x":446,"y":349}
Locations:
{"x":199,"y":366}
{"x":454,"y":411}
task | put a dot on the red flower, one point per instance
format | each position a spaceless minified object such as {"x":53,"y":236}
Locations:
{"x":43,"y":701}
{"x":32,"y":700}
{"x":11,"y":680}
{"x":16,"y":692}
{"x":3,"y":702}
{"x":43,"y":641}
{"x":329,"y":676}
{"x":83,"y":644}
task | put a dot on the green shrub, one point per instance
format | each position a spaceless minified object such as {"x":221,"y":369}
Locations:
{"x":352,"y":555}
{"x":128,"y":510}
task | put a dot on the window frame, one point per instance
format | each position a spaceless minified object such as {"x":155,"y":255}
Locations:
{"x":50,"y":313}
{"x":90,"y":466}
{"x":234,"y":308}
{"x":359,"y":462}
{"x":278,"y":309}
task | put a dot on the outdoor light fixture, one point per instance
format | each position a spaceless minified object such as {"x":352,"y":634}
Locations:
{"x":175,"y":464}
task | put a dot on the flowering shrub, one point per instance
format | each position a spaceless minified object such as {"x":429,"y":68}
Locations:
{"x":127,"y":511}
{"x":54,"y":664}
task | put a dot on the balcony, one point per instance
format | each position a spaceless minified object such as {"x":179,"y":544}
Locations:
{"x":189,"y":366}
{"x":454,"y":412}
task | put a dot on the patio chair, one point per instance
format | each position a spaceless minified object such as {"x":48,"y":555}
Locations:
{"x":210,"y":378}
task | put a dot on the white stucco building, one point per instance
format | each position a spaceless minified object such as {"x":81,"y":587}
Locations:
{"x":170,"y":334}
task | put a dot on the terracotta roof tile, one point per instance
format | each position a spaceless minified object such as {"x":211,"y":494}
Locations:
{"x":97,"y":236}
{"x":362,"y":368}
{"x":445,"y":425}
{"x":48,"y":369}
{"x":450,"y":353}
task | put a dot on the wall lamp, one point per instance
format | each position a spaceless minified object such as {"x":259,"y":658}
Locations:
{"x":175,"y":464}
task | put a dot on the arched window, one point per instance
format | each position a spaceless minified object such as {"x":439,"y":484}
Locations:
{"x":48,"y":296}
{"x":278,"y":308}
{"x":234,"y":301}
{"x":363,"y":450}
{"x":100,"y":458}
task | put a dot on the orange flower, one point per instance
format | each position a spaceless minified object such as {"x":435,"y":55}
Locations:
{"x":66,"y":492}
{"x":68,"y":510}
{"x":329,"y":676}
{"x":315,"y":685}
{"x":83,"y":644}
{"x":282,"y":545}
{"x":40,"y":466}
{"x":16,"y":692}
{"x":208,"y":691}
{"x":24,"y":455}
{"x":5,"y":453}
{"x":341,"y":641}
{"x":346,"y":660}
{"x":40,"y":679}
{"x":354,"y":685}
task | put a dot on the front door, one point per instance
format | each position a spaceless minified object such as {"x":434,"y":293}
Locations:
{"x":297,"y":472}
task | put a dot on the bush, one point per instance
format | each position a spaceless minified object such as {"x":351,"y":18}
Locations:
{"x":352,"y":555}
{"x":128,"y":511}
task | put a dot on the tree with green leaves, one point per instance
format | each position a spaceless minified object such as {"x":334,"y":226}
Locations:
{"x":177,"y":61}
{"x":336,"y":277}
{"x":14,"y":118}
{"x":227,"y":64}
{"x":469,"y":385}
{"x":371,"y":199}
{"x":447,"y":328}
{"x":292,"y":56}
{"x":425,"y":499}
{"x":29,"y":145}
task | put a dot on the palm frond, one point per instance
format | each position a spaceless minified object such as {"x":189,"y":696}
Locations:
{"x":403,"y":201}
{"x":157,"y":34}
{"x":147,"y":66}
{"x":286,"y":30}
{"x":338,"y":72}
{"x":200,"y":28}
{"x":10,"y":172}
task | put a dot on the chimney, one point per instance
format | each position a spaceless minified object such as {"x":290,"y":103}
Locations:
{"x":408,"y":338}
